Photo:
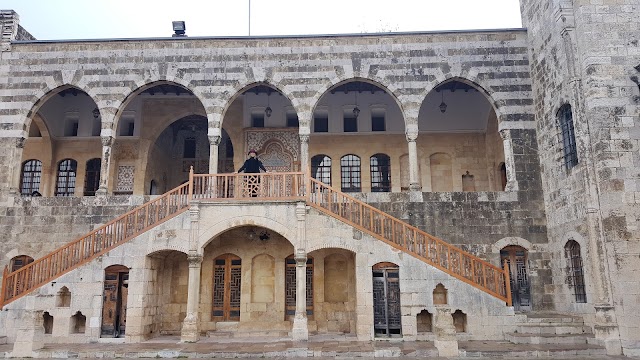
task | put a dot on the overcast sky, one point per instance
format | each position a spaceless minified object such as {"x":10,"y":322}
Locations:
{"x":90,"y":19}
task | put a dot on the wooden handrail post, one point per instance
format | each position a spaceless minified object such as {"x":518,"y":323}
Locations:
{"x":5,"y":273}
{"x":190,"y":184}
{"x":507,"y":283}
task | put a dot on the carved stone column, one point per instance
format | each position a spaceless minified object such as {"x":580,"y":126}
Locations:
{"x":304,"y":153}
{"x":445,"y":332}
{"x":191,"y":325}
{"x":300,"y":329}
{"x":16,"y":167}
{"x":412,"y":136}
{"x":509,"y":162}
{"x":214,"y":142}
{"x":107,"y":144}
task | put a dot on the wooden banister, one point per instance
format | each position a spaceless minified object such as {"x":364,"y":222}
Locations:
{"x":86,"y":248}
{"x":435,"y":252}
{"x":257,"y":187}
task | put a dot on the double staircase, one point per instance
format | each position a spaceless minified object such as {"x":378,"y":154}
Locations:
{"x":258,"y":187}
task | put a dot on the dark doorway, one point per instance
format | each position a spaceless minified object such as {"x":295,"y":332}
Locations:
{"x":517,"y":261}
{"x":114,"y":297}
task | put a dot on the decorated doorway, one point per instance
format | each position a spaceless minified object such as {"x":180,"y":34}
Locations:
{"x":227,"y":276}
{"x":114,"y":301}
{"x":386,"y":300}
{"x":517,"y":260}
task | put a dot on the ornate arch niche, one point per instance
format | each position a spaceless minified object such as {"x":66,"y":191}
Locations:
{"x":278,"y":150}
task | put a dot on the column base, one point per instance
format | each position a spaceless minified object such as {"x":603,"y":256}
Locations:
{"x":101,"y":191}
{"x":190,"y":331}
{"x":606,"y":329}
{"x":300,"y":329}
{"x":415,"y":187}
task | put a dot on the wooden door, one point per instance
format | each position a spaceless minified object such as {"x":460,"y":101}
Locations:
{"x":114,"y":301}
{"x":517,"y":261}
{"x":386,"y":301}
{"x":227,"y":279}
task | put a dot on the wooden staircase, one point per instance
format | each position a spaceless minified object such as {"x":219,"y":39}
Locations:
{"x":270,"y":186}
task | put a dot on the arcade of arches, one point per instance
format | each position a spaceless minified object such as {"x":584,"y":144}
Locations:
{"x":358,"y":141}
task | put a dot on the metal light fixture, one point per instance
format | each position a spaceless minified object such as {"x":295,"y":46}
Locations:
{"x":356,"y":110}
{"x":268,"y":110}
{"x":263,"y":235}
{"x":442,"y":106}
{"x":179,"y":28}
{"x":96,"y":113}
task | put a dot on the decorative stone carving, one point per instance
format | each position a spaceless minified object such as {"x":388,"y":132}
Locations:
{"x":194,"y":260}
{"x":20,"y":142}
{"x":290,"y":140}
{"x":107,"y":140}
{"x":215,"y":140}
{"x":124,"y":182}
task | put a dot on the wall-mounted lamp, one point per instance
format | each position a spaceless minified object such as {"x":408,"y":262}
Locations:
{"x":179,"y":28}
{"x":443,"y":105}
{"x":268,"y":110}
{"x":356,"y":109}
{"x":253,"y":234}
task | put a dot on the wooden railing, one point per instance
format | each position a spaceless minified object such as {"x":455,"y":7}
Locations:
{"x":435,"y":252}
{"x":269,"y":186}
{"x":82,"y":250}
{"x":265,"y":186}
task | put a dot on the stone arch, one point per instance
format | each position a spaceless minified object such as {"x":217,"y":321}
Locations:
{"x":512,"y":240}
{"x":119,"y":106}
{"x":47,"y":93}
{"x":330,"y":84}
{"x":239,"y":90}
{"x":207,"y":235}
{"x":158,"y":248}
{"x":333,"y":243}
{"x":470,"y":80}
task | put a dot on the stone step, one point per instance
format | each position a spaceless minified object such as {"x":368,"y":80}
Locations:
{"x":537,"y":318}
{"x":568,"y":339}
{"x":553,"y":328}
{"x":497,"y":349}
{"x":245,"y":334}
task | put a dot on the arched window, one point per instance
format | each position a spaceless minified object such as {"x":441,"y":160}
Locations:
{"x":350,"y":173}
{"x":575,"y":272}
{"x":31,"y":176}
{"x":66,"y":184}
{"x":569,"y":151}
{"x":92,"y":177}
{"x":321,"y":168}
{"x":380,"y":165}
{"x":19,"y":261}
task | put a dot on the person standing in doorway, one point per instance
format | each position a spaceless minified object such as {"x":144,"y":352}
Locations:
{"x":252,"y":166}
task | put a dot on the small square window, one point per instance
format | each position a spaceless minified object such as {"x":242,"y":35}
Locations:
{"x":350,"y":123}
{"x":321,"y":123}
{"x":377,"y":123}
{"x":292,"y":120}
{"x":257,"y":120}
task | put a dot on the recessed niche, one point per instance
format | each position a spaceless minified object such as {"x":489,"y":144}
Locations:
{"x":440,"y":295}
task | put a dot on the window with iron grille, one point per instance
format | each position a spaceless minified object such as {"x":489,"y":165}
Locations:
{"x":575,"y":272}
{"x":350,"y":173}
{"x":569,"y":151}
{"x":321,"y":168}
{"x":31,"y":176}
{"x":92,"y":177}
{"x":66,"y":183}
{"x":380,"y":165}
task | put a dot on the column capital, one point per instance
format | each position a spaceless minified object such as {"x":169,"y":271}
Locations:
{"x":107,"y":140}
{"x":505,"y":134}
{"x":300,"y":257}
{"x":301,"y":211}
{"x":411,"y":135}
{"x":194,"y":260}
{"x":194,"y":212}
{"x":304,"y":138}
{"x":215,"y":140}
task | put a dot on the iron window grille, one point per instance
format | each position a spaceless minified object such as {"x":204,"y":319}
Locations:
{"x":321,"y":168}
{"x":569,"y":151}
{"x":380,"y":165}
{"x":31,"y":176}
{"x":66,"y":183}
{"x":350,"y":173}
{"x":575,"y":271}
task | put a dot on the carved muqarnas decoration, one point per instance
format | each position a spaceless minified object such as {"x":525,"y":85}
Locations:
{"x":275,"y":157}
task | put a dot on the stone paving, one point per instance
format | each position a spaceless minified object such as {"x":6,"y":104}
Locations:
{"x":339,"y":347}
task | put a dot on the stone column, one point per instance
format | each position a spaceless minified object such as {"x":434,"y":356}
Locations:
{"x":107,"y":144}
{"x":412,"y":136}
{"x":30,"y":334}
{"x":16,"y":167}
{"x":304,"y":153}
{"x":214,"y":142}
{"x":300,"y":329}
{"x":190,"y":325}
{"x":509,"y":162}
{"x":445,"y":332}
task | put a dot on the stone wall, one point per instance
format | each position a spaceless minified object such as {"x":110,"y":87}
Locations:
{"x":583,"y":54}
